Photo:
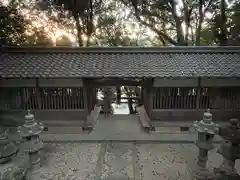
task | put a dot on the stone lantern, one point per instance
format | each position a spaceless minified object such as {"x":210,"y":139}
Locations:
{"x":13,"y":165}
{"x":29,"y":132}
{"x":7,"y":148}
{"x":230,"y":150}
{"x":206,"y":130}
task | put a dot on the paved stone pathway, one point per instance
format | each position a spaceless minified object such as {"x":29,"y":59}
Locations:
{"x":117,"y":162}
{"x":117,"y":125}
{"x":120,"y":161}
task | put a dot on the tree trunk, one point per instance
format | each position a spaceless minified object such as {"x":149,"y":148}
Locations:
{"x":130,"y":106}
{"x":223,"y":33}
{"x":199,"y":28}
{"x":107,"y":107}
{"x":118,"y":100}
{"x":180,"y":35}
{"x":79,"y":29}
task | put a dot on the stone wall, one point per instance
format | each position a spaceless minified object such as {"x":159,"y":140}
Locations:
{"x":16,"y":117}
{"x":192,"y":115}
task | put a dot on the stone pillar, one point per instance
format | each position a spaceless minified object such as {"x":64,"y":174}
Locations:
{"x":230,"y":150}
{"x":206,"y":130}
{"x":29,"y":132}
{"x":7,"y":149}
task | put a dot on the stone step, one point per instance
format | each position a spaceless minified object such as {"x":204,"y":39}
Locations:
{"x":56,"y":129}
{"x":183,"y":129}
{"x":63,"y":130}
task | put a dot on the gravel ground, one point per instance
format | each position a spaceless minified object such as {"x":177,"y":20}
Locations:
{"x":167,"y":161}
{"x":73,"y":161}
{"x":83,"y":161}
{"x":170,"y":161}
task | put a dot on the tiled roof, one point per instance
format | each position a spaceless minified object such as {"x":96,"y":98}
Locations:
{"x":119,"y":62}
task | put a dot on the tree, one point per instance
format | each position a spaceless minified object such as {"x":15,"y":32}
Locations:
{"x":234,"y":30}
{"x":82,"y":13}
{"x":17,"y":30}
{"x":172,"y":21}
{"x":224,"y":27}
{"x":12,"y":26}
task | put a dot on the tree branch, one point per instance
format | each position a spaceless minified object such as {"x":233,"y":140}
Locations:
{"x":180,"y":34}
{"x":201,"y":18}
{"x":187,"y":18}
{"x":206,"y":8}
{"x":79,"y":30}
{"x":163,"y":37}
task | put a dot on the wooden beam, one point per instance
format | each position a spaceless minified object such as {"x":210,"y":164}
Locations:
{"x":115,"y":82}
{"x":175,"y":82}
{"x":220,"y":82}
{"x":61,"y":82}
{"x":18,"y":82}
{"x":127,"y":50}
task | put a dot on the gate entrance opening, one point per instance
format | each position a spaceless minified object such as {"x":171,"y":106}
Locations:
{"x":119,"y":99}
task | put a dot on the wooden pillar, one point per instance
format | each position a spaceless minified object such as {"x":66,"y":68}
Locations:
{"x":198,"y":93}
{"x":91,"y":98}
{"x":142,"y":95}
{"x":85,"y":97}
{"x":148,"y":98}
{"x":150,"y":102}
{"x":89,"y":102}
{"x":38,"y":95}
{"x":94,"y":96}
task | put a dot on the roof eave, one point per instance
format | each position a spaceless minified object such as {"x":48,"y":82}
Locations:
{"x":176,"y":49}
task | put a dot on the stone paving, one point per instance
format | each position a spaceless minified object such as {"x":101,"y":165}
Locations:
{"x":119,"y":161}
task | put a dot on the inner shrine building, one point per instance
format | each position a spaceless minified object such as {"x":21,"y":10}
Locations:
{"x":177,"y":83}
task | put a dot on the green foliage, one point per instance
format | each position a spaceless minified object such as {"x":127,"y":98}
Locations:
{"x":114,"y":23}
{"x":64,"y":41}
{"x":234,"y":25}
{"x":38,"y":37}
{"x":15,"y":29}
{"x":180,"y":22}
{"x":12,"y":26}
{"x":214,"y":32}
{"x":82,"y":13}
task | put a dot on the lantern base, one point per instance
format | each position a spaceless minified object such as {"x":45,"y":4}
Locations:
{"x":223,"y":175}
{"x":199,"y":173}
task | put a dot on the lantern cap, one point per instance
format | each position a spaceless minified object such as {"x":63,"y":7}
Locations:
{"x":234,"y":121}
{"x":207,"y":116}
{"x":206,"y":125}
{"x":29,"y":116}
